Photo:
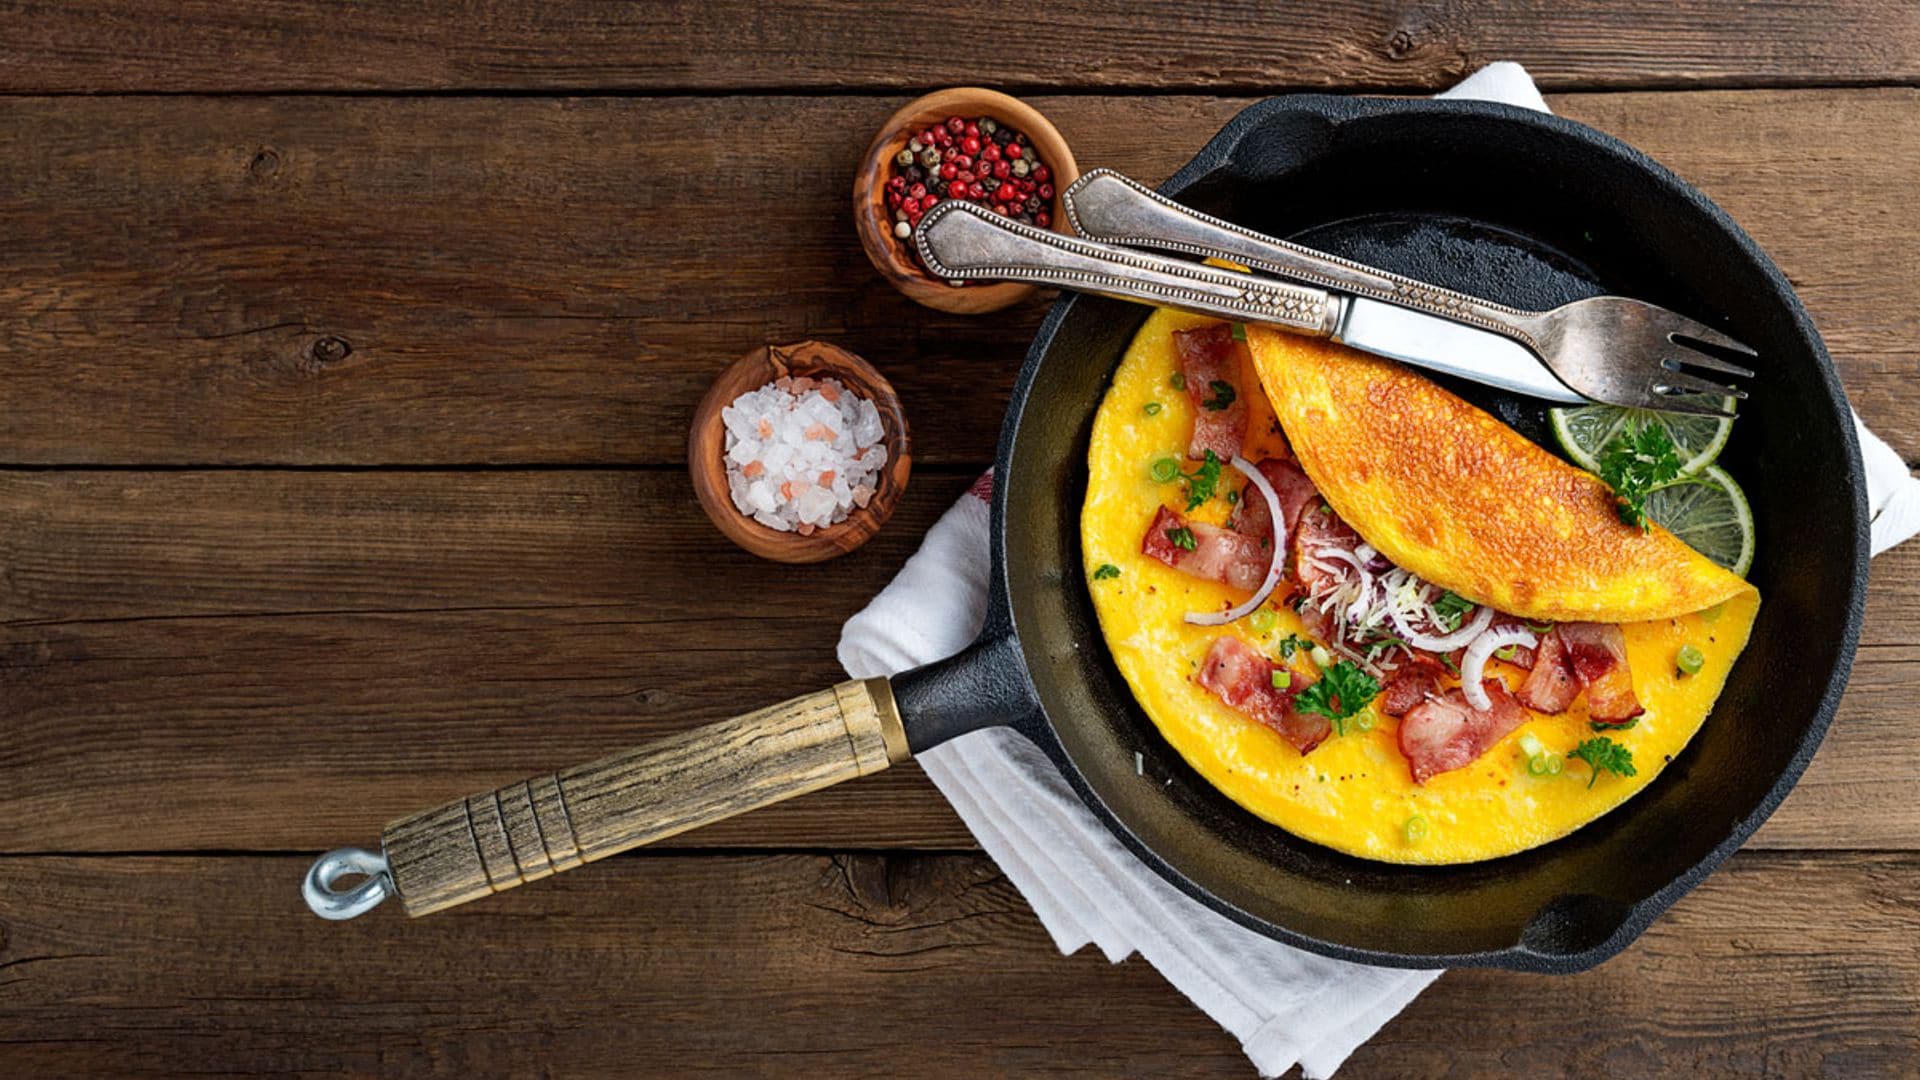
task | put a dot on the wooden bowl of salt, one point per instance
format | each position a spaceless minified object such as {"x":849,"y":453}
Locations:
{"x":785,"y":505}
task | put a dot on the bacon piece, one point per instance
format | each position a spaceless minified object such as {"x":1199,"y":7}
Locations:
{"x":1242,"y":676}
{"x":1209,"y":355}
{"x":1218,"y":554}
{"x":1289,"y":482}
{"x":1551,"y":684}
{"x":1598,"y":655}
{"x":1320,"y":528}
{"x":1444,"y":733}
{"x":1408,"y":687}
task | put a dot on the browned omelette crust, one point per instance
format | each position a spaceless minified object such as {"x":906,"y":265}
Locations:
{"x":1464,"y":501}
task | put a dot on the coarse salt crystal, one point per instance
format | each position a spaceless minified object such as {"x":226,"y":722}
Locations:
{"x":813,"y":450}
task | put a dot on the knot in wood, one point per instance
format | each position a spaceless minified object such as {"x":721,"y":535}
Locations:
{"x":1401,"y":44}
{"x":331,"y":350}
{"x":265,"y":163}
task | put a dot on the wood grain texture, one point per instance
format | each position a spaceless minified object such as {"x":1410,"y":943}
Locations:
{"x":777,"y":965}
{"x":360,"y":645}
{"x":493,"y":841}
{"x":450,"y":280}
{"x":1247,"y":45}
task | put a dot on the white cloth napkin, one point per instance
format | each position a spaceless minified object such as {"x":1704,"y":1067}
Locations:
{"x":1285,"y":1006}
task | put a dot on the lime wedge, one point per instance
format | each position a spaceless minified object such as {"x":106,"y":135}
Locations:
{"x":1585,"y":431}
{"x":1710,"y":513}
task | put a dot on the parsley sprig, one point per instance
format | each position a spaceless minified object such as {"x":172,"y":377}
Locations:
{"x":1637,"y":462}
{"x":1603,"y":754}
{"x":1203,"y":481}
{"x":1450,"y":609}
{"x":1343,"y":690}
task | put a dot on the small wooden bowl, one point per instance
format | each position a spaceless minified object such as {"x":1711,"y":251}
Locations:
{"x":889,"y":253}
{"x":707,"y":447}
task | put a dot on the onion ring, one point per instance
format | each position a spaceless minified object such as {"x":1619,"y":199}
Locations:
{"x":1474,"y":664}
{"x":1274,"y":562}
{"x":1443,"y":643}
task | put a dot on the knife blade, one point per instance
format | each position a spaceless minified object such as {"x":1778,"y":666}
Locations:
{"x":1443,"y":345}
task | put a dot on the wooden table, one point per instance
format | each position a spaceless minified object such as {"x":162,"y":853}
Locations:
{"x":345,"y":362}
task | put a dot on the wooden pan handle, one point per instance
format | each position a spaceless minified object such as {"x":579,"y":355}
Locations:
{"x":529,"y":830}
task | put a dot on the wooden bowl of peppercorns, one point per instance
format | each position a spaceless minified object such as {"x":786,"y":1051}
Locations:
{"x":969,"y":143}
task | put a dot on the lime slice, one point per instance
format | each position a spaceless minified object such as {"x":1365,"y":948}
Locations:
{"x":1585,"y":431}
{"x":1710,"y":513}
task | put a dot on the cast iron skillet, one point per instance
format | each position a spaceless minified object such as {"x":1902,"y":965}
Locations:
{"x":1515,"y":206}
{"x":1529,"y":210}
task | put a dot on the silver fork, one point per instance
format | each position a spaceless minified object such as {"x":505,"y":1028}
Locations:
{"x":1611,"y":349}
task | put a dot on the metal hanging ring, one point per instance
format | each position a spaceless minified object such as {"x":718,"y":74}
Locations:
{"x":330,"y":903}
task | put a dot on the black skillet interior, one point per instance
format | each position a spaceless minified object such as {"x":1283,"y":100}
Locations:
{"x":1532,"y":211}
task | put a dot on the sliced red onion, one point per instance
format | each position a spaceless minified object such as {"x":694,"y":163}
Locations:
{"x":1474,"y":664}
{"x":1443,"y":643}
{"x":1274,"y":563}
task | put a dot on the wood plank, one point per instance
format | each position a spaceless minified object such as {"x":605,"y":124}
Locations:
{"x":767,"y":965}
{"x":115,"y":45}
{"x":288,"y":660}
{"x":395,"y":640}
{"x":466,"y":280}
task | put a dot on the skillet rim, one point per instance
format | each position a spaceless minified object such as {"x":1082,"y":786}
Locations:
{"x":1216,"y":155}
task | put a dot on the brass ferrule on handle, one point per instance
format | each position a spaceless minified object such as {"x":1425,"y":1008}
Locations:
{"x":495,"y":840}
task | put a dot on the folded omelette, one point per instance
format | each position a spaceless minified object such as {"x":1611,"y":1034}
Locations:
{"x":1400,"y":506}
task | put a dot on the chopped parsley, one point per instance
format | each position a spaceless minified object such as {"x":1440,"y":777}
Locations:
{"x":1106,"y":570}
{"x":1181,"y":537}
{"x":1202,"y":482}
{"x":1343,"y":690}
{"x":1603,"y":754}
{"x":1223,"y":395}
{"x":1636,"y":463}
{"x":1291,"y":644}
{"x":1450,"y":609}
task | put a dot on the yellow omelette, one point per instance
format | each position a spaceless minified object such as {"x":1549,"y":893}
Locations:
{"x":1354,"y":792}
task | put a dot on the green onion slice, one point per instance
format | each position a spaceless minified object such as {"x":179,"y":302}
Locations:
{"x":1416,"y":829}
{"x":1689,"y":660}
{"x":1164,"y":470}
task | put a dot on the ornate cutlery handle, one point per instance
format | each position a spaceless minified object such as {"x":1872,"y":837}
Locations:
{"x":960,"y":240}
{"x":1107,"y":206}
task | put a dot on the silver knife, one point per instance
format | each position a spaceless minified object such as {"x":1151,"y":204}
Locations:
{"x":962,"y":241}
